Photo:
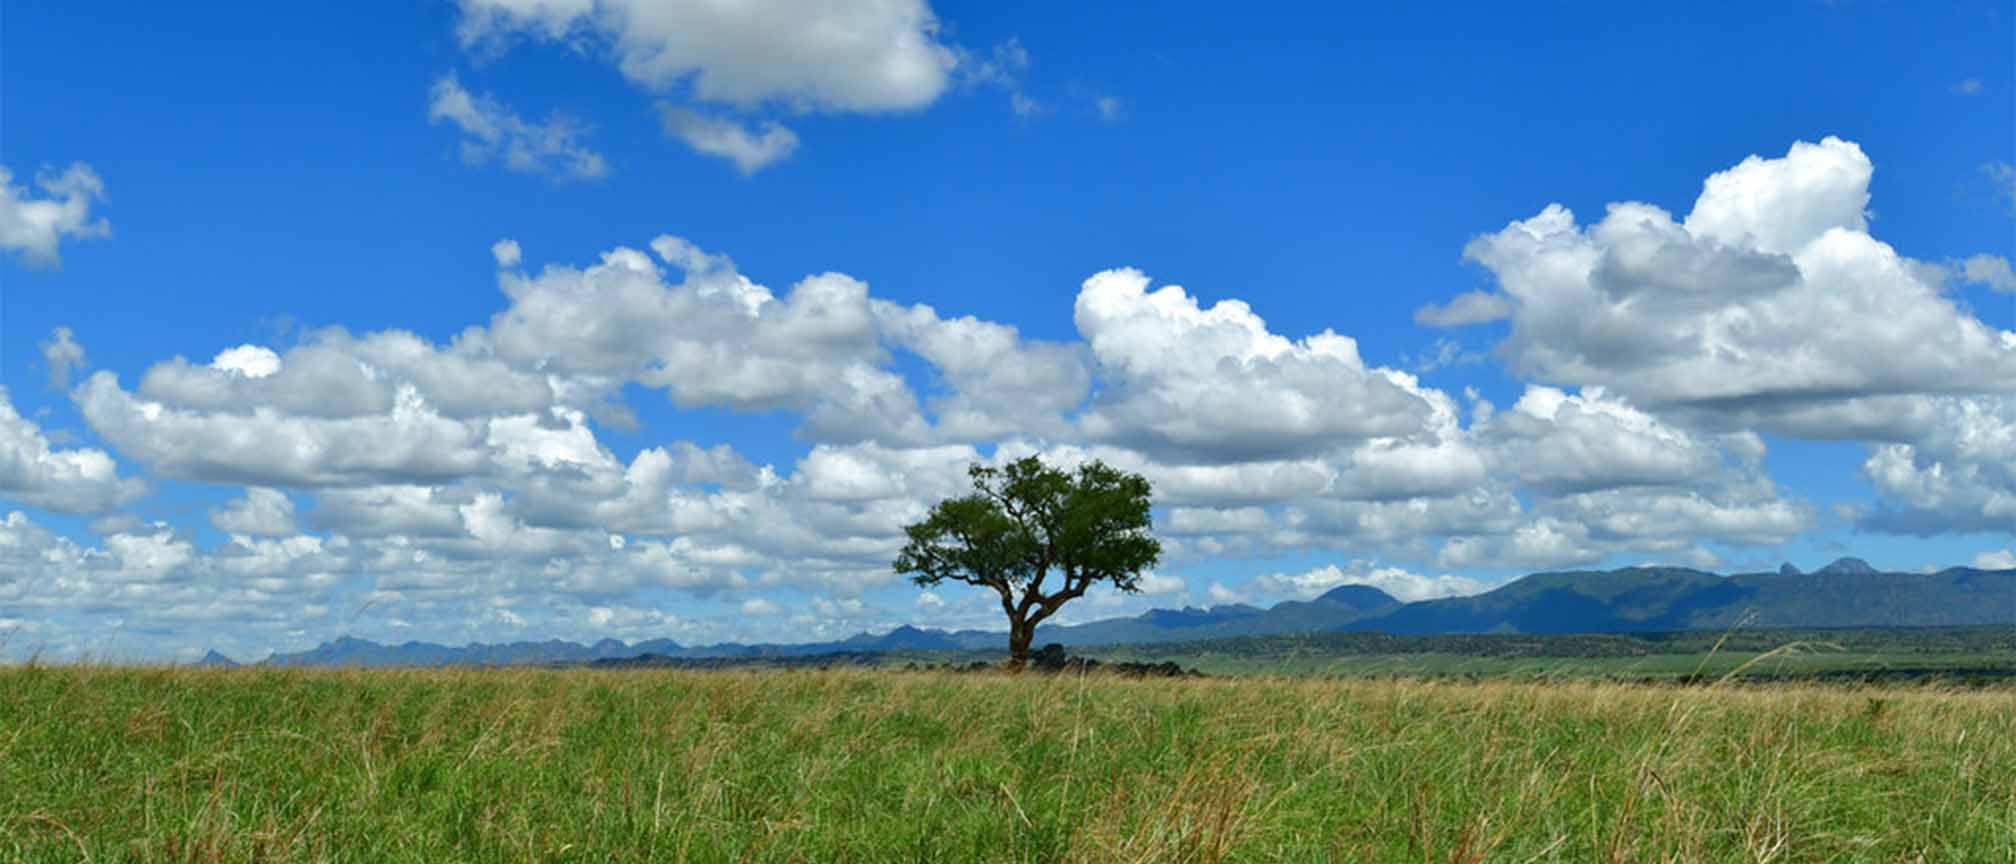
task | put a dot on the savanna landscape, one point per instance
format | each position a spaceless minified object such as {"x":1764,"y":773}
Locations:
{"x":943,"y":431}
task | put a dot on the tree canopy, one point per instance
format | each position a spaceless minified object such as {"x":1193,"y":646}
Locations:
{"x":1025,"y":521}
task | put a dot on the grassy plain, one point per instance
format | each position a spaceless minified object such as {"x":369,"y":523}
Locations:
{"x":119,"y":764}
{"x":1961,"y":654}
{"x":1747,"y":666}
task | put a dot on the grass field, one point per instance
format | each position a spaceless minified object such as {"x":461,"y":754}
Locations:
{"x":1932,"y":655}
{"x":1653,"y":666}
{"x":111,"y":764}
{"x":1949,"y":654}
{"x":1749,"y":666}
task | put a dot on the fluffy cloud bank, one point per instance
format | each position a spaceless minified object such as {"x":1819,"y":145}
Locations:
{"x":1771,"y":307}
{"x":38,"y":474}
{"x":1215,"y":385}
{"x":474,"y":478}
{"x":1770,"y":304}
{"x":1959,"y":475}
{"x":336,"y":410}
{"x":471,"y":476}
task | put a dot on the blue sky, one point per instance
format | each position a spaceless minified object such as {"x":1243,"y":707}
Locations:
{"x":187,"y":181}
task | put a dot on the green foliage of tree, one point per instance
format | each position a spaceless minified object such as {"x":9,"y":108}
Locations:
{"x":1026,"y":520}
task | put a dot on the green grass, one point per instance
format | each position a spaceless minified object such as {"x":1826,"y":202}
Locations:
{"x":1891,"y":654}
{"x":115,"y":764}
{"x":1745,"y":665}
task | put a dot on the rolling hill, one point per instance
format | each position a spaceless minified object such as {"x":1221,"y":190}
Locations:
{"x":1846,"y":593}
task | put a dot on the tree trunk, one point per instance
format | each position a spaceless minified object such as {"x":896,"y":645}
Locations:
{"x":1020,"y":634}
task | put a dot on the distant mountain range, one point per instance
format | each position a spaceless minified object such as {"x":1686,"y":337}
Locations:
{"x":1846,"y":593}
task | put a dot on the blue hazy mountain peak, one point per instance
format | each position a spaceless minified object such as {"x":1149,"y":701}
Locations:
{"x":1632,"y":599}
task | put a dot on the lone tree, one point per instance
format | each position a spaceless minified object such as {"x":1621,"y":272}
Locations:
{"x":1027,"y":519}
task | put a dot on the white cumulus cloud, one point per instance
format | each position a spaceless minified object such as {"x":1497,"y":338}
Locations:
{"x":1403,"y":585}
{"x":1769,"y":304}
{"x":878,"y":55}
{"x":36,"y":473}
{"x":728,"y":139}
{"x":491,"y":130}
{"x":1996,"y":559}
{"x":62,"y":355}
{"x":1471,"y":307}
{"x":34,"y":226}
{"x":260,"y":512}
{"x":1959,"y":475}
{"x":1217,"y":385}
{"x":1990,"y":270}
